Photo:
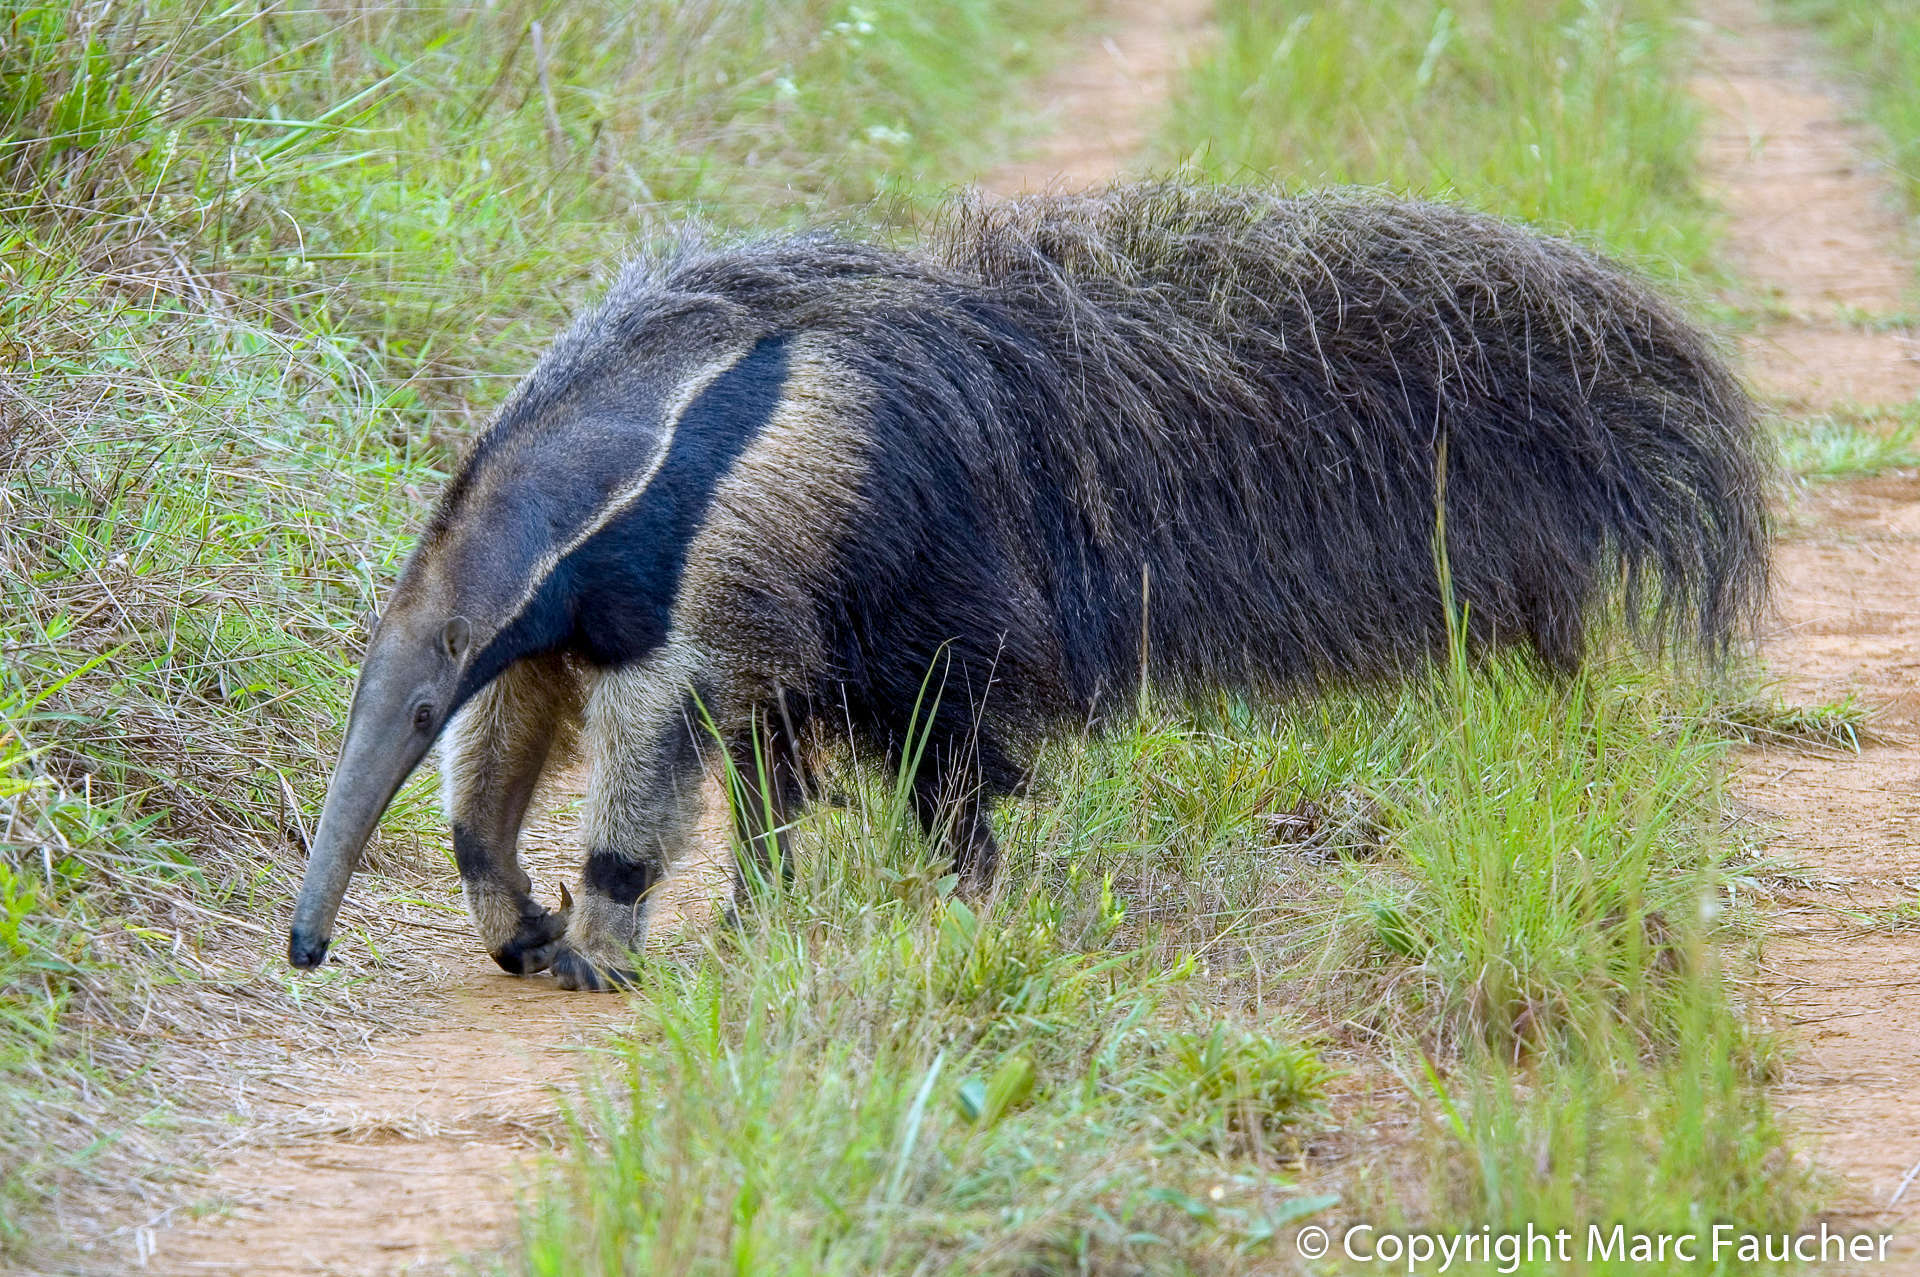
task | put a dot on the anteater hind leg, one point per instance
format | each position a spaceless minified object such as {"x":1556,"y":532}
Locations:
{"x":490,"y":763}
{"x":951,"y":803}
{"x":644,"y":738}
{"x":768,"y":783}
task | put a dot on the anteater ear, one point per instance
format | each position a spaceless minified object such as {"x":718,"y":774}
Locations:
{"x":454,"y":638}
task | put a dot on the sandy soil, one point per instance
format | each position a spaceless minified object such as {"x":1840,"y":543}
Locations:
{"x":1814,"y":223}
{"x":406,"y":1156}
{"x":410,"y":1154}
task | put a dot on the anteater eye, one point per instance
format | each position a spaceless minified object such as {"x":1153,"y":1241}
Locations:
{"x":422,"y":716}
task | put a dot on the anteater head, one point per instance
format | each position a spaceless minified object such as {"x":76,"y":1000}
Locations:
{"x":409,"y":680}
{"x":564,"y":529}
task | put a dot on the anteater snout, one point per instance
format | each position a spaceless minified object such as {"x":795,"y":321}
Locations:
{"x":306,"y":951}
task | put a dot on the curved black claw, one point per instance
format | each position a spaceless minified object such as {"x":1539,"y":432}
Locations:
{"x":535,"y":944}
{"x":572,"y":970}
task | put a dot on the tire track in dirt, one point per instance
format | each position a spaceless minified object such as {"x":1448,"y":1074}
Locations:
{"x":1813,"y":223}
{"x":410,"y":1156}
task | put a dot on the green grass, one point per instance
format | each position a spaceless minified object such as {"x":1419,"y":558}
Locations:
{"x":1851,"y":445}
{"x":1764,"y":719}
{"x":1571,"y":114}
{"x":875,"y":1079}
{"x":261,"y":269}
{"x":1118,"y":1063}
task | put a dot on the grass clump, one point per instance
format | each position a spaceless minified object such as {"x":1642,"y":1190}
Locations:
{"x":811,"y":1096}
{"x":1848,"y":445}
{"x":1232,"y":1080}
{"x":1608,"y":1135}
{"x":1536,"y":849}
{"x":1543,"y":888}
{"x":1763,"y":719}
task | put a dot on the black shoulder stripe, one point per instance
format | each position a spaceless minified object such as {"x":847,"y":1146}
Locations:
{"x":611,"y":599}
{"x":628,"y":575}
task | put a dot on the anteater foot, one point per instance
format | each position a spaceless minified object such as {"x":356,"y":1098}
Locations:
{"x":573,"y":970}
{"x":535,"y":944}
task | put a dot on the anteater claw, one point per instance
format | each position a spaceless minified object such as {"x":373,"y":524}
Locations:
{"x":573,"y":970}
{"x":535,"y":944}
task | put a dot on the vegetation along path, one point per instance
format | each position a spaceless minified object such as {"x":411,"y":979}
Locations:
{"x":406,"y":1156}
{"x":1814,"y":225}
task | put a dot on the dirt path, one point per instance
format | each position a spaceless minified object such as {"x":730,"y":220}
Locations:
{"x":1813,"y":223}
{"x":1102,"y":105}
{"x":406,"y":1156}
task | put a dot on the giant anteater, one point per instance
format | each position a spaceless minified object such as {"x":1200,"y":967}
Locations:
{"x":763,"y":493}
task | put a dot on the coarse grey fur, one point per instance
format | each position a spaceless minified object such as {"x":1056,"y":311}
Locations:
{"x":764,"y":493}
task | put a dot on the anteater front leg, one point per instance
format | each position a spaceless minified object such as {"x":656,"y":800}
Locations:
{"x":644,"y":733}
{"x":490,"y":763}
